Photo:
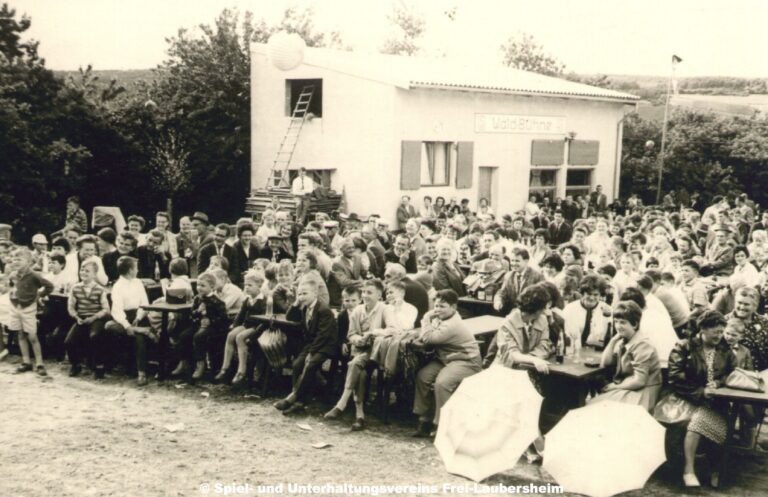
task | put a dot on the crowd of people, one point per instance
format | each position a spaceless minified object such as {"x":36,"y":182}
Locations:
{"x":671,"y":295}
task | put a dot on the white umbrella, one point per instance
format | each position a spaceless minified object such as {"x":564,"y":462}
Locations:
{"x":488,"y":423}
{"x":604,"y":449}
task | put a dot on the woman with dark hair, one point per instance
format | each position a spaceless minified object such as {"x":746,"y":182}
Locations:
{"x":696,"y":367}
{"x":439,"y":205}
{"x":540,"y":249}
{"x":524,"y":338}
{"x":637,"y":377}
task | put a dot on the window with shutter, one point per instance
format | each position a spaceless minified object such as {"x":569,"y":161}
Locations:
{"x":410,"y":165}
{"x":465,"y":164}
{"x":547,"y":152}
{"x":583,"y":152}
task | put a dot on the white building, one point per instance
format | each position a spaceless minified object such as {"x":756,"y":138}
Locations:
{"x":386,"y":126}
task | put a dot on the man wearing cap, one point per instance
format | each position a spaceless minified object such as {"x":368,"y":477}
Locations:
{"x":40,"y":253}
{"x":719,"y":256}
{"x":332,"y":231}
{"x":302,"y":188}
{"x":198,"y":238}
{"x":274,"y":250}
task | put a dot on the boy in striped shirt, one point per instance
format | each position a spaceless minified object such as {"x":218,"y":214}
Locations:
{"x":88,"y":306}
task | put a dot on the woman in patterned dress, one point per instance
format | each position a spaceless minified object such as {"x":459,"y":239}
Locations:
{"x":696,"y":367}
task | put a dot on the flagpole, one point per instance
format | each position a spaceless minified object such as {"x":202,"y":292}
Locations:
{"x":675,"y":60}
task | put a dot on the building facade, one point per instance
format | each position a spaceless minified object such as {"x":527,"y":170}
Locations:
{"x":386,"y":126}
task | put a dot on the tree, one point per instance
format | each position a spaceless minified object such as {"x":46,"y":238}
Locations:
{"x":409,"y":26}
{"x":523,"y":52}
{"x":169,"y":167}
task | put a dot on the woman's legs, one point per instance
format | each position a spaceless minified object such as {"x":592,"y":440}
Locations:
{"x":690,"y":446}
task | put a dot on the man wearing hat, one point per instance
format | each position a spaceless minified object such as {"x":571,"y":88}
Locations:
{"x":274,"y":250}
{"x":718,"y":259}
{"x":351,"y":222}
{"x":40,"y":253}
{"x":302,"y":188}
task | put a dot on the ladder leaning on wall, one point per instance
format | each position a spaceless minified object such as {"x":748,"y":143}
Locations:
{"x":278,"y":175}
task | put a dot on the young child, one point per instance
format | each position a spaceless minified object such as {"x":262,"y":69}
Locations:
{"x":5,"y":309}
{"x":244,"y":327}
{"x":228,"y":292}
{"x":88,"y":306}
{"x":62,"y":280}
{"x":350,"y":298}
{"x":282,"y":295}
{"x":179,"y":288}
{"x":28,"y":286}
{"x":209,"y":317}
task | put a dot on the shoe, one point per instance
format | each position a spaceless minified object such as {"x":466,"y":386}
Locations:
{"x":181,"y":369}
{"x":359,"y":424}
{"x":3,"y":354}
{"x":690,"y":480}
{"x":219,"y":378}
{"x":714,"y":479}
{"x":238,"y":379}
{"x":334,"y":413}
{"x":74,"y":370}
{"x":423,"y":430}
{"x":40,"y":370}
{"x":142,"y":381}
{"x":295,"y":408}
{"x":199,"y":370}
{"x":98,"y":372}
{"x":282,"y":404}
{"x":24,"y":367}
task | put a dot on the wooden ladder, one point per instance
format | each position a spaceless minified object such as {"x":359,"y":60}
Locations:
{"x":278,"y":176}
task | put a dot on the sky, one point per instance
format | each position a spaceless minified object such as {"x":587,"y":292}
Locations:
{"x":713,"y":37}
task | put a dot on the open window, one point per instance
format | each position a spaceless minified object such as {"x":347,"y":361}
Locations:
{"x":294,"y":88}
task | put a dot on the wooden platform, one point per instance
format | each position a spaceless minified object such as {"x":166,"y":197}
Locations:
{"x":321,"y":201}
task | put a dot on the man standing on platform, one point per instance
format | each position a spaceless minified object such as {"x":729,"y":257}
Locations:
{"x":302,"y":187}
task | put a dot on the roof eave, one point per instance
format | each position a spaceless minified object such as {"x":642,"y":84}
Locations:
{"x":599,"y":98}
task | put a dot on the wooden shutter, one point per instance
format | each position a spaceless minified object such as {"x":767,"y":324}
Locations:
{"x":583,"y":152}
{"x":547,"y":152}
{"x":410,"y":165}
{"x":465,"y":164}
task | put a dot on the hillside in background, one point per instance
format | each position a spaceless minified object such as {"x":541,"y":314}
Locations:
{"x":724,"y":95}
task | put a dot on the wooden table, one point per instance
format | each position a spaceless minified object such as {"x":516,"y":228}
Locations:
{"x":164,"y":309}
{"x":737,"y":398}
{"x":483,"y":326}
{"x":477,"y":307}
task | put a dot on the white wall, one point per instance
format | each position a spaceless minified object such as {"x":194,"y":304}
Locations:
{"x":364,"y":122}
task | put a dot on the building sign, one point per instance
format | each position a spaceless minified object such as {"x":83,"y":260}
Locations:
{"x":508,"y":123}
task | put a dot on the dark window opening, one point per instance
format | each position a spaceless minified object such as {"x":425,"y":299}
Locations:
{"x":294,"y":88}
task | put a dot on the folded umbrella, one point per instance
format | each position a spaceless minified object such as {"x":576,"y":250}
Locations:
{"x":604,"y":449}
{"x":488,"y":423}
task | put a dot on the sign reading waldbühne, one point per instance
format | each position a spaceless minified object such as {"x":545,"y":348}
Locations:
{"x":509,"y":123}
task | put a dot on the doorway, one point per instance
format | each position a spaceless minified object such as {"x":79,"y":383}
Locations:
{"x":487,"y":186}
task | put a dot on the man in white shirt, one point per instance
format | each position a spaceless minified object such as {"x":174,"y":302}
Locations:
{"x":128,"y":295}
{"x":302,"y":187}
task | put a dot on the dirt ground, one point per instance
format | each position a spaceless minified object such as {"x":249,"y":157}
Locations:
{"x":78,"y":437}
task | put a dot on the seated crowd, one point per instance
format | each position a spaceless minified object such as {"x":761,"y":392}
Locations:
{"x":672,"y":297}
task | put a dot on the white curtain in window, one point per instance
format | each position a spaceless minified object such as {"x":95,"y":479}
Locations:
{"x":427,"y":163}
{"x":442,"y":163}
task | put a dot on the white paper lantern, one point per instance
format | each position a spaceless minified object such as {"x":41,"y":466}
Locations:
{"x":286,"y":51}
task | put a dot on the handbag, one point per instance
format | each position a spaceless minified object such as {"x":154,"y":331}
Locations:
{"x":272,"y":343}
{"x":673,"y":409}
{"x":742,"y":379}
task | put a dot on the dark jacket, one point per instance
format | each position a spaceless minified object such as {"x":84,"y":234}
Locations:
{"x":322,"y":334}
{"x":560,"y":235}
{"x":247,"y":312}
{"x":242,"y":262}
{"x":266,"y":253}
{"x":209,"y":250}
{"x":688,"y":368}
{"x":410,"y":262}
{"x":212,"y":308}
{"x":147,"y":258}
{"x":109,"y":261}
{"x":443,"y":277}
{"x":417,"y":296}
